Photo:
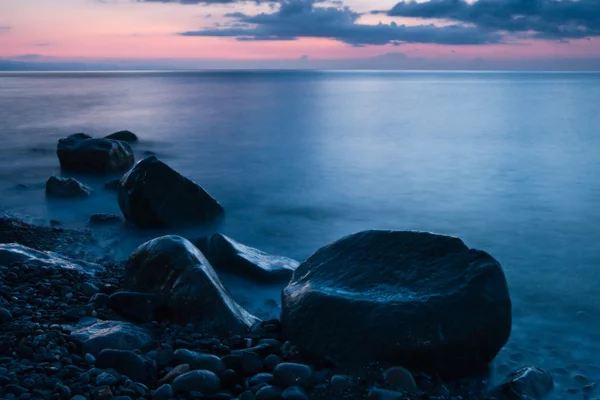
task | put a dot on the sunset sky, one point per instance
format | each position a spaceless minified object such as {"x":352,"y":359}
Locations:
{"x":502,"y":30}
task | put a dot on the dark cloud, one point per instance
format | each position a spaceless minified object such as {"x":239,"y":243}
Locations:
{"x":5,"y":28}
{"x":304,"y":18}
{"x":551,"y":19}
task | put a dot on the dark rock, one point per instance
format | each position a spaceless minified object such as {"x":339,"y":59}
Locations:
{"x":251,"y":363}
{"x":293,"y":393}
{"x":165,"y":392}
{"x":340,"y":382}
{"x":79,"y":152}
{"x":292,"y":374}
{"x":124,"y":136}
{"x":174,"y":373}
{"x":172,"y":267}
{"x":529,"y":383}
{"x":137,"y":307}
{"x":57,"y":186}
{"x":152,"y":195}
{"x":16,"y":253}
{"x":128,"y":363}
{"x":205,"y":382}
{"x":228,"y":255}
{"x":400,"y":379}
{"x":104,"y":218}
{"x":5,"y":316}
{"x":89,"y":289}
{"x":452,"y":301}
{"x":99,"y":299}
{"x":261,"y":378}
{"x":112,"y":335}
{"x":382,"y":394}
{"x":229,"y":378}
{"x":247,"y":395}
{"x":268,"y":393}
{"x":106,"y":379}
{"x":271,"y":361}
{"x":112,"y":185}
{"x":196,"y":360}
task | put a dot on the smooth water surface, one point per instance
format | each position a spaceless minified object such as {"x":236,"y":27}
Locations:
{"x":509,"y":162}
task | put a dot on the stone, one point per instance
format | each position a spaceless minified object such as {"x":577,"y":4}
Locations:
{"x":251,"y":363}
{"x":12,"y":253}
{"x":268,"y":393}
{"x":261,"y":378}
{"x":292,"y":374}
{"x":137,"y":307}
{"x":152,"y":195}
{"x":174,"y":373}
{"x":126,"y":362}
{"x":196,"y":360}
{"x":227,"y":255}
{"x":106,"y":379}
{"x":5,"y":316}
{"x":202,"y":381}
{"x":124,"y":136}
{"x":116,"y":335}
{"x":400,"y":379}
{"x":101,"y":218}
{"x":80,"y":152}
{"x":424,"y":301}
{"x":528,"y":383}
{"x":382,"y":394}
{"x":271,"y":361}
{"x":293,"y":393}
{"x":340,"y":382}
{"x":89,"y":289}
{"x":165,"y":392}
{"x":171,"y":267}
{"x":57,"y":186}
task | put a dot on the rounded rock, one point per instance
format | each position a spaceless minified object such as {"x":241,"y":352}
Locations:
{"x":293,"y":393}
{"x":200,"y":380}
{"x":268,"y":393}
{"x":271,"y":361}
{"x":292,"y":374}
{"x":165,"y":392}
{"x":400,"y":379}
{"x":5,"y":316}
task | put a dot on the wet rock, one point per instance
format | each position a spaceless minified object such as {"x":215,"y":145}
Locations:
{"x":104,"y":219}
{"x":137,"y":307}
{"x":293,"y":393}
{"x":79,"y":152}
{"x":251,"y":363}
{"x":382,"y":394}
{"x":174,"y":373}
{"x":112,"y":185}
{"x":196,"y":360}
{"x":57,"y":186}
{"x":271,"y":361}
{"x":400,"y":379}
{"x":136,"y":367}
{"x":106,"y":379}
{"x":202,"y":381}
{"x":152,"y":195}
{"x":292,"y":374}
{"x":268,"y":393}
{"x":228,"y":255}
{"x":261,"y":378}
{"x":165,"y":392}
{"x":112,"y":335}
{"x":171,"y":267}
{"x":89,"y":289}
{"x":15,"y":253}
{"x":124,"y":136}
{"x":5,"y":316}
{"x":453,"y":303}
{"x":340,"y":382}
{"x":529,"y":383}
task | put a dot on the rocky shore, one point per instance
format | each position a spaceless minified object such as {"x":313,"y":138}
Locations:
{"x":380,"y":315}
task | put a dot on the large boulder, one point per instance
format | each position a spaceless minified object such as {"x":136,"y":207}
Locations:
{"x":172,"y":268}
{"x":124,"y":136}
{"x":82,"y":153}
{"x":416,"y":299}
{"x":57,"y":186}
{"x":228,"y":255}
{"x":153,"y":195}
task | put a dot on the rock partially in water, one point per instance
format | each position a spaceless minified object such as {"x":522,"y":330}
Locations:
{"x":124,"y":136}
{"x":137,"y":307}
{"x":57,"y":186}
{"x":153,"y":195}
{"x":101,"y":218}
{"x":228,"y":255}
{"x":112,"y":335}
{"x":128,"y":363}
{"x":529,"y":383}
{"x":171,"y":267}
{"x":12,"y":253}
{"x":416,"y":299}
{"x":82,"y":153}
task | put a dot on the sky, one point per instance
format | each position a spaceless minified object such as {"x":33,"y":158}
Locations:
{"x":423,"y":34}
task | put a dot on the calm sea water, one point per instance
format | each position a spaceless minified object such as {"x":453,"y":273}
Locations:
{"x":509,"y":162}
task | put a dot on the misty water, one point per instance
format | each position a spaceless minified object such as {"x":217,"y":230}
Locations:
{"x":509,"y":162}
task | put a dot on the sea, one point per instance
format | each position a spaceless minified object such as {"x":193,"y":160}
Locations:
{"x":507,"y":161}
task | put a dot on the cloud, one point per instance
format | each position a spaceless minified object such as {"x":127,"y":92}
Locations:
{"x":4,"y":28}
{"x":547,"y":19}
{"x":304,"y":18}
{"x":42,"y":44}
{"x":205,"y":1}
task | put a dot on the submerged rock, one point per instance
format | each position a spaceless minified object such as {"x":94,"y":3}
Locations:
{"x":171,"y":267}
{"x":80,"y":152}
{"x":116,"y":335}
{"x":12,"y":253}
{"x":228,"y":255}
{"x":153,"y":195}
{"x":104,"y":218}
{"x":529,"y":383}
{"x":416,"y":299}
{"x":124,"y":136}
{"x":57,"y":186}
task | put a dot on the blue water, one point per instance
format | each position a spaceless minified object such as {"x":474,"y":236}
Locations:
{"x":509,"y":162}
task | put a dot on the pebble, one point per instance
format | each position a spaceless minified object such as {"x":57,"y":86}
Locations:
{"x":5,"y":316}
{"x":261,"y":378}
{"x":382,"y":394}
{"x":174,"y":373}
{"x":271,"y":361}
{"x":340,"y":382}
{"x":90,"y":359}
{"x":247,"y":395}
{"x":400,"y":379}
{"x":292,"y":374}
{"x":203,"y":381}
{"x":89,"y":289}
{"x":165,"y":392}
{"x":196,"y":360}
{"x":293,"y":393}
{"x":105,"y":379}
{"x":251,"y":363}
{"x":268,"y":393}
